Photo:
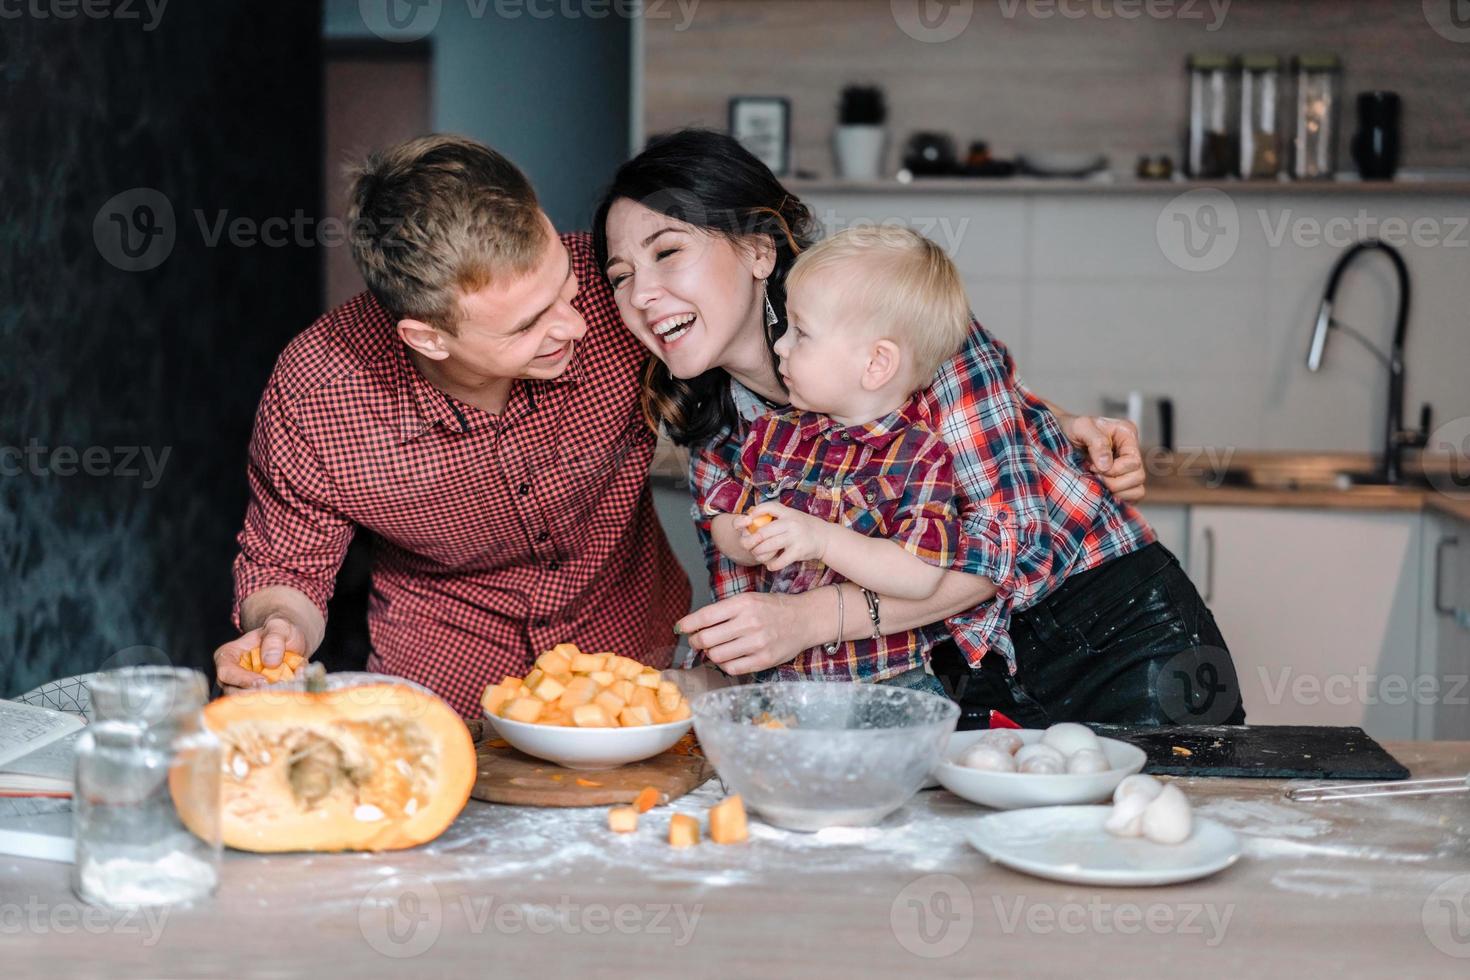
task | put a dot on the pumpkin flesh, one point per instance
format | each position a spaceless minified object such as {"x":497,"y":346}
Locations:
{"x":371,"y":768}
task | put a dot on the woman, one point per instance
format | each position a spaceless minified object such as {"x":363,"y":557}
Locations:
{"x":1089,"y":619}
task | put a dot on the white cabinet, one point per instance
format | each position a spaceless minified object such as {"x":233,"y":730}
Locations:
{"x":1320,"y":609}
{"x":1445,"y":629}
{"x":1171,"y":523}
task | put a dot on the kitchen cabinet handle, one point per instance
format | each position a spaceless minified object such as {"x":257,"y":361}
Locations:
{"x":1439,"y":550}
{"x":1208,"y":534}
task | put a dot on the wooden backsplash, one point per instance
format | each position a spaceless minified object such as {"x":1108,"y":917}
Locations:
{"x":1021,"y":80}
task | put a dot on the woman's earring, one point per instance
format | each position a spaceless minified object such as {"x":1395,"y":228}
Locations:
{"x":770,"y":310}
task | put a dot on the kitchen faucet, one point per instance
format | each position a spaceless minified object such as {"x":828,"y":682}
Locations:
{"x":1395,"y":437}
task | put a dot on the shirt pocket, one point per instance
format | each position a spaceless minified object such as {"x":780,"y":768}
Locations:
{"x":870,"y":505}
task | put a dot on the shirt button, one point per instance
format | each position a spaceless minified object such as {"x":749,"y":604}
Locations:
{"x":523,"y":489}
{"x":543,"y":537}
{"x":553,"y":566}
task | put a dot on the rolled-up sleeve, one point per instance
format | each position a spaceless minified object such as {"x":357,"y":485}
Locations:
{"x":293,"y":534}
{"x":711,"y":464}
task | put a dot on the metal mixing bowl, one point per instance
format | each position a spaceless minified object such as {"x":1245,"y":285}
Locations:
{"x":848,"y":755}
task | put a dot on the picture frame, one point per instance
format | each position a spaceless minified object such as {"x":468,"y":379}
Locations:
{"x":762,"y":124}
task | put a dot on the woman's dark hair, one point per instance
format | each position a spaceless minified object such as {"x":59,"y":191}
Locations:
{"x":707,"y":179}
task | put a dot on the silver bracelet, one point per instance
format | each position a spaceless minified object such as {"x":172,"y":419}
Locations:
{"x":831,"y":648}
{"x":872,"y":598}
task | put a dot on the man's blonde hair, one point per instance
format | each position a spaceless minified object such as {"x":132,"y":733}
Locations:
{"x":439,"y":216}
{"x":900,"y":285}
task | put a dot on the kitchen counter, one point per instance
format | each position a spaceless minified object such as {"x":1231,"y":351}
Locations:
{"x":1343,"y":889}
{"x":1190,"y":479}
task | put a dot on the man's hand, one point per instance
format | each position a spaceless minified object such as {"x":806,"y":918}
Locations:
{"x":1112,"y":450}
{"x":790,"y":536}
{"x":274,"y":638}
{"x":752,"y":631}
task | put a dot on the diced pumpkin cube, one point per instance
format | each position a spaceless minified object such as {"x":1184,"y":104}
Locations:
{"x":591,"y":716}
{"x":495,"y":696}
{"x":568,"y":650}
{"x":625,"y":667}
{"x":586,"y":663}
{"x":632,"y":717}
{"x":647,"y":799}
{"x":603,"y":678}
{"x":610,"y":703}
{"x":554,"y":662}
{"x":623,"y":689}
{"x":669,"y":696}
{"x":683,"y":830}
{"x":650,"y":679}
{"x":645,"y":697}
{"x":549,"y":689}
{"x":511,"y":682}
{"x":622,"y":820}
{"x":533,"y":678}
{"x":680,"y":713}
{"x":727,"y":823}
{"x":524,"y":709}
{"x":293,"y":660}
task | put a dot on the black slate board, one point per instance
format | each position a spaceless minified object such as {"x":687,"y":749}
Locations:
{"x":1260,"y":751}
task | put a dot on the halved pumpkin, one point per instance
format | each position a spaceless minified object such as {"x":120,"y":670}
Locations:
{"x":371,"y":767}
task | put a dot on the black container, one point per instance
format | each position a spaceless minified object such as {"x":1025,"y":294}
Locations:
{"x":1376,"y":143}
{"x":930,"y":155}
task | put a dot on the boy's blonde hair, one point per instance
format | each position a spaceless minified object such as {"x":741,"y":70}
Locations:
{"x":899,"y":285}
{"x":439,"y":216}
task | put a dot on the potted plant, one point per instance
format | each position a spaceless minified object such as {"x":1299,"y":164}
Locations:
{"x":860,"y":138}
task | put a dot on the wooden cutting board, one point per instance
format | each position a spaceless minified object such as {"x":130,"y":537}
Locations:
{"x":508,"y":776}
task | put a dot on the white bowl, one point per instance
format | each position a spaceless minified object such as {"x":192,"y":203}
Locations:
{"x":1013,"y":790}
{"x":590,"y":748}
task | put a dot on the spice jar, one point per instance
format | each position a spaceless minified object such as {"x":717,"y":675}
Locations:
{"x":1261,"y":139}
{"x":1213,"y":87}
{"x":1318,"y":84}
{"x":146,"y":742}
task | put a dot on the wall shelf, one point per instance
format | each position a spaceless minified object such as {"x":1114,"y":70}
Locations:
{"x":1063,"y":185}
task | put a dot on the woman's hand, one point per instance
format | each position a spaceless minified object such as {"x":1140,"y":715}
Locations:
{"x":789,"y":536}
{"x":1112,"y":449}
{"x":754,"y":630}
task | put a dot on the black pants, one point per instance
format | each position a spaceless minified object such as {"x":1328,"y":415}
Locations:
{"x":1128,"y":642}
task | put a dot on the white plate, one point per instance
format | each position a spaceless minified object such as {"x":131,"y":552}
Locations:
{"x":590,"y":748}
{"x":1068,"y":843}
{"x":1012,"y":790}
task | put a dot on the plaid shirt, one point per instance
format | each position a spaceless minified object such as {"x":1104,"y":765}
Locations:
{"x":892,"y":479}
{"x":495,"y":536}
{"x":1031,"y":515}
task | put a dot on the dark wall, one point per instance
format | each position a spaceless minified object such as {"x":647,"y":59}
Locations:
{"x":129,"y":372}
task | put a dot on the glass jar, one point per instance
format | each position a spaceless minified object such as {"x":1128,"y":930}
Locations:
{"x":1318,"y":84}
{"x":1261,"y":139}
{"x":1213,"y":94}
{"x":144,"y":764}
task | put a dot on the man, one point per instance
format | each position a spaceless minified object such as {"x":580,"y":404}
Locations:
{"x":476,"y":411}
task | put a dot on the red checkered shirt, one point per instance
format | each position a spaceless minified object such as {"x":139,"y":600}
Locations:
{"x":891,"y":478}
{"x":1031,"y":514}
{"x":495,"y":536}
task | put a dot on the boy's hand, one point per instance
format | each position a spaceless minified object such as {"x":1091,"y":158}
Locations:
{"x":791,"y":536}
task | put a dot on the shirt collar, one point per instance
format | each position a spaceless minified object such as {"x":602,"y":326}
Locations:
{"x":878,"y":433}
{"x":420,"y":404}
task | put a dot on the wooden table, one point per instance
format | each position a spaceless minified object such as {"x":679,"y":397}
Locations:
{"x":1364,"y":888}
